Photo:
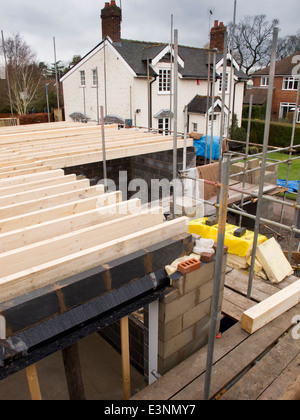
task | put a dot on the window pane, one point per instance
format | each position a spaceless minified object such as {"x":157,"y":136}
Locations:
{"x":164,"y":80}
{"x":82,"y":78}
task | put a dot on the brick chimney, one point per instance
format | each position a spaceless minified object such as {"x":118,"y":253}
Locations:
{"x":217,"y":35}
{"x":111,"y":17}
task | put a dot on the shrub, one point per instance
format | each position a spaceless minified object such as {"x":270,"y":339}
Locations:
{"x":280,"y":133}
{"x":236,"y":132}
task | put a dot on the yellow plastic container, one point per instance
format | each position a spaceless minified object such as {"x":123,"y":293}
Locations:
{"x":238,"y":246}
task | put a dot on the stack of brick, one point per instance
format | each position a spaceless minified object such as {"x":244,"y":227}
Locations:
{"x":184,"y":316}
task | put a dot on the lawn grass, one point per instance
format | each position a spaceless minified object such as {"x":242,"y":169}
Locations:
{"x":294,"y":172}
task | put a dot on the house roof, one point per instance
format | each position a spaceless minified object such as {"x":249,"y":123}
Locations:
{"x":259,"y":96}
{"x":193,"y":61}
{"x":283,"y":67}
{"x":198,"y":104}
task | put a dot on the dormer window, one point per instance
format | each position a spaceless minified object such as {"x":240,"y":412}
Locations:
{"x":226,"y":83}
{"x":164,"y":80}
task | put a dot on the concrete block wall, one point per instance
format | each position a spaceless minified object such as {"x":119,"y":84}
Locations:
{"x":271,"y":174}
{"x":184,"y":316}
{"x":145,"y":167}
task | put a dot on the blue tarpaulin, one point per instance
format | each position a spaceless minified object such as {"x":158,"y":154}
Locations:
{"x":293,"y":186}
{"x":200,"y":147}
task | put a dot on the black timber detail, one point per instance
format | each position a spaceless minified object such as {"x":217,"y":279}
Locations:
{"x":20,"y":351}
{"x":41,"y":305}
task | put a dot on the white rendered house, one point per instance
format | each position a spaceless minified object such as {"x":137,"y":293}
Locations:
{"x":131,"y":80}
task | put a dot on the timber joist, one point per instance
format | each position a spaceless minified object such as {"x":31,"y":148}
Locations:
{"x":54,"y":226}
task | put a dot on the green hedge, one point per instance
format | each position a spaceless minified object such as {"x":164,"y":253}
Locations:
{"x":280,"y":133}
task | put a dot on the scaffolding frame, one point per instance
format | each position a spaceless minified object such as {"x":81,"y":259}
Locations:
{"x":225,"y":160}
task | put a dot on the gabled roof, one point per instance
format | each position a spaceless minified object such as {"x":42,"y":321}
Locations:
{"x":283,"y":67}
{"x":193,"y":62}
{"x":198,"y":104}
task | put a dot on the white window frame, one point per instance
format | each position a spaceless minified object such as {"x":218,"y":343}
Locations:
{"x":164,"y":82}
{"x":288,"y":106}
{"x":290,"y":83}
{"x":195,"y":127}
{"x":95,"y":77}
{"x":82,"y":78}
{"x":164,"y":126}
{"x":264,"y":81}
{"x":221,"y":81}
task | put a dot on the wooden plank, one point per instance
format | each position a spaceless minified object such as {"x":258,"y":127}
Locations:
{"x":264,"y":312}
{"x":32,"y":170}
{"x":86,"y":158}
{"x":265,"y":371}
{"x":39,"y":253}
{"x":31,"y":177}
{"x":282,"y":382}
{"x":61,"y":226}
{"x":234,"y":304}
{"x":10,"y":200}
{"x":30,"y":186}
{"x":56,"y":212}
{"x":239,"y":358}
{"x":124,"y":325}
{"x":261,"y":290}
{"x":47,"y":202}
{"x":186,"y":372}
{"x":33,"y":383}
{"x":20,"y":166}
{"x":40,"y":275}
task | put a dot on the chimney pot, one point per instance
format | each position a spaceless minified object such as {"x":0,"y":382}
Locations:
{"x":217,"y":35}
{"x":111,"y":17}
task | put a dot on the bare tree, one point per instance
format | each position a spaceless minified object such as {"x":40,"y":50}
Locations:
{"x":251,"y":47}
{"x":288,"y":45}
{"x":24,"y":74}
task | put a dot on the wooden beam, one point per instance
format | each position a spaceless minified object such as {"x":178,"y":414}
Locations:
{"x":31,"y":186}
{"x":47,"y":202}
{"x":73,"y":373}
{"x":31,"y":177}
{"x":22,"y":197}
{"x":125,"y":358}
{"x":33,"y":383}
{"x":38,"y":253}
{"x":61,"y":226}
{"x":39,"y":276}
{"x":269,"y":309}
{"x":32,"y":170}
{"x":56,"y":212}
{"x":85,"y":158}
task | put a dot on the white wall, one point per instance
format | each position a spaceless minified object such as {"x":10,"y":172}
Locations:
{"x":126,"y":93}
{"x":119,"y":79}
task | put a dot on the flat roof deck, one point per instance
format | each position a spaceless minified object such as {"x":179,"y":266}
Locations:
{"x":54,"y":226}
{"x":62,"y":145}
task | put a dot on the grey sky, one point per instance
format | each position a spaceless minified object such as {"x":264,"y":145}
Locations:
{"x":77,"y":28}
